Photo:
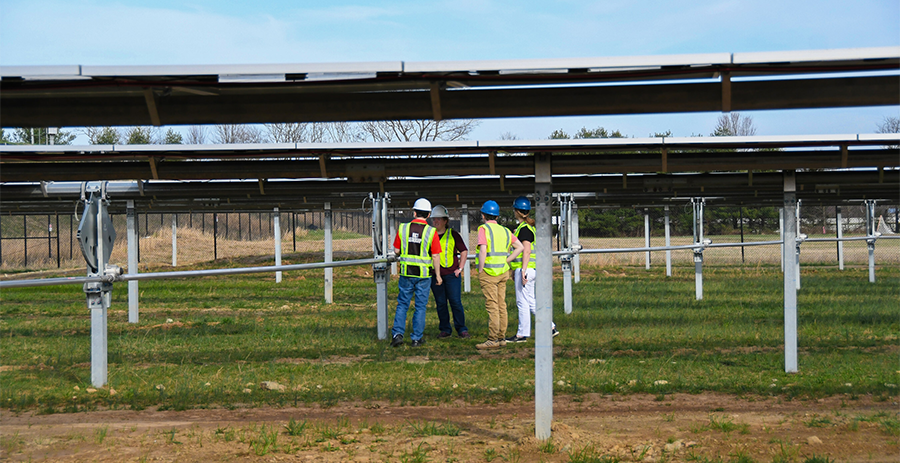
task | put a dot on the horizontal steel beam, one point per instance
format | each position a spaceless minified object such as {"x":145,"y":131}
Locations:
{"x":25,"y":106}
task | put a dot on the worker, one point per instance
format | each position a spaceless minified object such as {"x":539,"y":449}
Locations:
{"x":494,"y":256}
{"x":420,"y":253}
{"x":453,"y":256}
{"x":524,"y":271}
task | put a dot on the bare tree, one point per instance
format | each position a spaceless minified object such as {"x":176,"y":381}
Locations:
{"x":508,"y":136}
{"x":890,"y":124}
{"x":342,"y":132}
{"x":291,"y":132}
{"x":419,"y":130}
{"x":734,"y":124}
{"x":237,"y":134}
{"x":196,"y":135}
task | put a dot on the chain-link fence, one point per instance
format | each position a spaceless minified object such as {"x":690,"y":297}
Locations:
{"x":33,"y":242}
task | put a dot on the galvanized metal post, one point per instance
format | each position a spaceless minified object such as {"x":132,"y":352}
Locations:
{"x":698,"y":252}
{"x":576,"y":259}
{"x":464,"y":231}
{"x":133,"y":294}
{"x":565,"y":261}
{"x":380,"y":242}
{"x":174,"y":240}
{"x":392,"y":219}
{"x":797,"y":247}
{"x":789,"y":235}
{"x":668,"y":243}
{"x":647,"y":239}
{"x":543,"y":344}
{"x":839,"y":226}
{"x":329,"y":273}
{"x":871,"y":228}
{"x":276,"y":229}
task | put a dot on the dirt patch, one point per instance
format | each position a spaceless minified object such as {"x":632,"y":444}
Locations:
{"x":644,"y":428}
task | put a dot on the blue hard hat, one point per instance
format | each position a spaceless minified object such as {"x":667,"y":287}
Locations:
{"x":490,"y":208}
{"x":522,"y":203}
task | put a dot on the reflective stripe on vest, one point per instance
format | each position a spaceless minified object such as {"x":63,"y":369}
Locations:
{"x":422,"y":261}
{"x":532,"y":262}
{"x":497,"y":248}
{"x":448,"y":249}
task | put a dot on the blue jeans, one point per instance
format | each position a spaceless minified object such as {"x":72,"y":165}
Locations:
{"x":449,"y":291}
{"x":411,"y":287}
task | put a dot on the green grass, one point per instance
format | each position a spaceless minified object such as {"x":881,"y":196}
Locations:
{"x":637,"y":333}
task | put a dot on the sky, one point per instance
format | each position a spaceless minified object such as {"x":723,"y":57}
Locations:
{"x":130,"y":32}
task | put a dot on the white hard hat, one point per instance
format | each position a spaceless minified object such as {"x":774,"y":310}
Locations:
{"x":422,"y":204}
{"x":439,"y":211}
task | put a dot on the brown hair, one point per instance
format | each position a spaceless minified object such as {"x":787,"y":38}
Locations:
{"x":525,"y":217}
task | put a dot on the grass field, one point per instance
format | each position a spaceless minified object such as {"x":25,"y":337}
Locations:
{"x":210,"y":342}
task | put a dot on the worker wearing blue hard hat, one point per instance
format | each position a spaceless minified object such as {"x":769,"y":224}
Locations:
{"x":494,"y":244}
{"x":524,"y":270}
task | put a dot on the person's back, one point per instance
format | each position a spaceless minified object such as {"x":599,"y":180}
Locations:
{"x":419,"y":252}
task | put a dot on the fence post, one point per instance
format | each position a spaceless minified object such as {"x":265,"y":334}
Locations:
{"x":215,"y":236}
{"x":789,"y":237}
{"x":58,"y":261}
{"x":329,"y":272}
{"x":25,"y":238}
{"x":839,"y":226}
{"x":781,"y":235}
{"x":668,"y":243}
{"x":174,"y":240}
{"x":647,"y":238}
{"x":131,"y":238}
{"x":276,"y":224}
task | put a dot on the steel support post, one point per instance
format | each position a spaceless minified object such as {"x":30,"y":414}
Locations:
{"x":329,"y":273}
{"x":647,"y":239}
{"x":668,"y":243}
{"x":871,"y":228}
{"x":276,"y":231}
{"x":789,"y":235}
{"x":133,"y":294}
{"x":839,"y":227}
{"x":565,"y":233}
{"x":392,"y":219}
{"x":698,"y":204}
{"x":97,"y":293}
{"x":380,"y":242}
{"x":464,"y":231}
{"x":576,"y":259}
{"x":543,"y":344}
{"x":797,"y":252}
{"x":174,"y":240}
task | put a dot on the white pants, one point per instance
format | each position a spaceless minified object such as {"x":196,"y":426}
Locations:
{"x":525,"y":301}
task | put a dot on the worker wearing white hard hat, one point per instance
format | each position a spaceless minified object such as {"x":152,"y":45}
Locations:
{"x":453,"y":256}
{"x":419,"y":253}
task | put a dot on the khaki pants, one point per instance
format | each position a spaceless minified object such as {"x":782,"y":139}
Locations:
{"x":494,"y":289}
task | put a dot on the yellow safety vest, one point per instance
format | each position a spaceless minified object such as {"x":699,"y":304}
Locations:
{"x":448,"y":249}
{"x":416,"y":265}
{"x":532,"y":262}
{"x":499,"y":239}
